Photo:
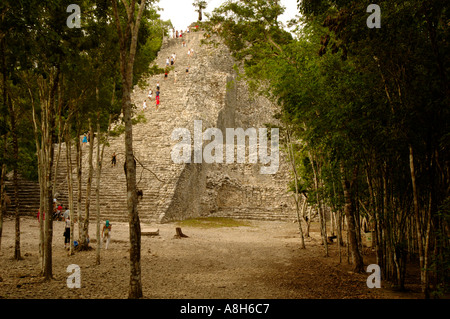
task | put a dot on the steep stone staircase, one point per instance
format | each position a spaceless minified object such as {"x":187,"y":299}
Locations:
{"x":28,"y":196}
{"x":184,"y":190}
{"x":152,"y":143}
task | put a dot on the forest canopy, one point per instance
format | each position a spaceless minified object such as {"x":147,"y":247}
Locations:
{"x":365,"y":112}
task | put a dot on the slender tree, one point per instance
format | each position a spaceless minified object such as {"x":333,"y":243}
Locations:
{"x":128,"y":40}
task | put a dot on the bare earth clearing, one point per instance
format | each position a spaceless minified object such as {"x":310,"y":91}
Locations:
{"x":260,"y":260}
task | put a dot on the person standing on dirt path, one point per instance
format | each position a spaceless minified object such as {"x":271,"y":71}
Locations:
{"x":106,"y":233}
{"x":157,"y":87}
{"x":67,"y":233}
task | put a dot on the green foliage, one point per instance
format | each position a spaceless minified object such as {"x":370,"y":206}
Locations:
{"x":120,"y":128}
{"x":356,"y":100}
{"x":37,"y":45}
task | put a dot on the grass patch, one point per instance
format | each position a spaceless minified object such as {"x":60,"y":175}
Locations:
{"x":213,"y":222}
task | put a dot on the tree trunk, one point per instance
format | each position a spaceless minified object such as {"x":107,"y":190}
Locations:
{"x":12,"y":115}
{"x":85,"y":234}
{"x":296,"y":195}
{"x":307,"y":221}
{"x":5,"y":146}
{"x":48,"y":223}
{"x":99,"y":170}
{"x":48,"y":132}
{"x":322,"y":217}
{"x":128,"y":46}
{"x":358,"y":265}
{"x":423,"y":272}
{"x":60,"y":137}
{"x":97,"y":191}
{"x":42,"y":208}
{"x":17,"y":255}
{"x":339,"y":235}
{"x":133,"y":216}
{"x":2,"y":199}
{"x":302,"y":214}
{"x":70,"y":187}
{"x":79,"y":160}
{"x":41,"y":174}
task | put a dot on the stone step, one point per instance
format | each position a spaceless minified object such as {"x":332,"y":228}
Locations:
{"x":201,"y":94}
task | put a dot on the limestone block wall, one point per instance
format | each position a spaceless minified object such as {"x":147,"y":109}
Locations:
{"x":235,"y":190}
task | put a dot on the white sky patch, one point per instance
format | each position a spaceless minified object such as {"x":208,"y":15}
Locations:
{"x":182,"y":13}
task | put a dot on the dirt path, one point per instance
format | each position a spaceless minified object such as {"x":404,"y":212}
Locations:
{"x":262,"y":260}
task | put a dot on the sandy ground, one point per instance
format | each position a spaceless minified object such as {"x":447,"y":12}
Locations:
{"x":262,"y":260}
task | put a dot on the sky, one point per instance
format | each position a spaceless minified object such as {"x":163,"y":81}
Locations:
{"x":182,"y":13}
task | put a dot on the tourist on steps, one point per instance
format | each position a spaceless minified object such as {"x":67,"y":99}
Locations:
{"x":113,"y":160}
{"x":66,"y":214}
{"x":150,"y":94}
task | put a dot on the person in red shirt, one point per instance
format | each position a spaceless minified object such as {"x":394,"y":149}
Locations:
{"x":58,"y":212}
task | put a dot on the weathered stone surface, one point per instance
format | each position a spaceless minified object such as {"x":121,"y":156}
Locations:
{"x":209,"y":93}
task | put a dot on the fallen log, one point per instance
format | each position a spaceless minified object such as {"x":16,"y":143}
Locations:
{"x":150,"y":232}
